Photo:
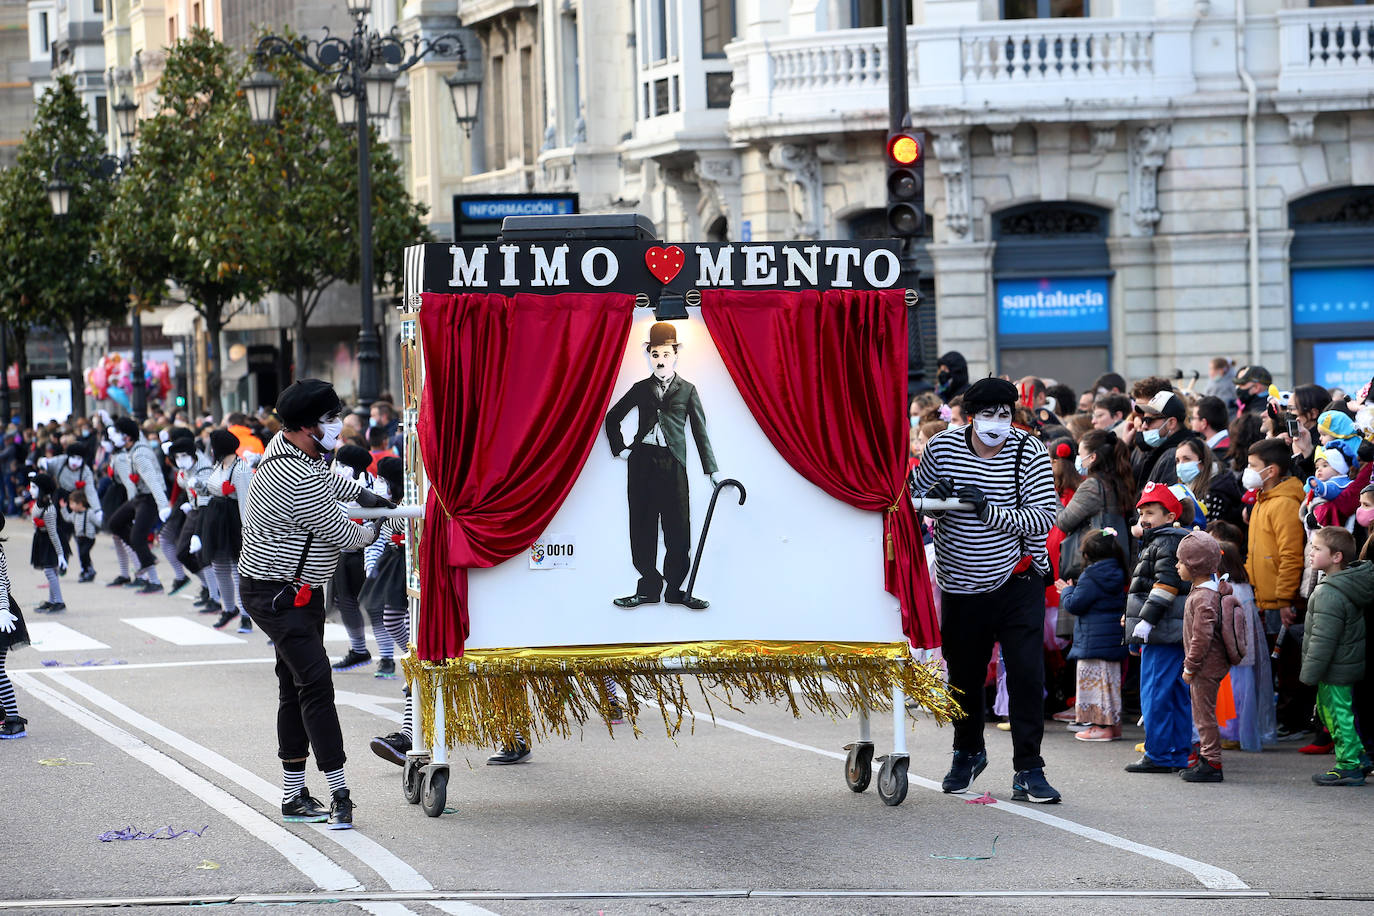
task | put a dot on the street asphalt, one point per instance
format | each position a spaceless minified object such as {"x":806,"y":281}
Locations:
{"x":750,"y":813}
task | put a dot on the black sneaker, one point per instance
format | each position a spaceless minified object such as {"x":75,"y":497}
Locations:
{"x":509,"y":755}
{"x":118,"y":582}
{"x":964,"y":770}
{"x":212,"y":607}
{"x":1203,"y":772}
{"x":203,"y":598}
{"x":386,"y":667}
{"x":179,"y":584}
{"x":341,"y":811}
{"x":225,"y":617}
{"x":87,"y":575}
{"x":43,"y":607}
{"x":56,"y":608}
{"x":151,"y":588}
{"x":391,"y":748}
{"x":1146,"y":765}
{"x":1332,"y":777}
{"x":353,"y":660}
{"x":245,"y":624}
{"x":1288,"y":733}
{"x":617,"y":711}
{"x":303,"y":809}
{"x":13,"y":727}
{"x":136,"y":583}
{"x":1031,"y":786}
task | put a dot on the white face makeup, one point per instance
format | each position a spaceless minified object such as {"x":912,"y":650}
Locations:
{"x":185,"y":462}
{"x":992,"y":425}
{"x":74,"y":463}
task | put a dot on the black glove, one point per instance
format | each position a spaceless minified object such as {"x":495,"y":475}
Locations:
{"x":943,"y":489}
{"x":369,"y":500}
{"x":976,"y":498}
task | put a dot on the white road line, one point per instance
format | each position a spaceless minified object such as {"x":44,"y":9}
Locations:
{"x":369,"y":703}
{"x":182,"y":632}
{"x":1209,"y":876}
{"x":50,"y":636}
{"x":335,"y":632}
{"x":145,"y":665}
{"x":398,"y":874}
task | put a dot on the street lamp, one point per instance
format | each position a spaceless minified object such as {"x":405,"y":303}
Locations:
{"x":365,"y":67}
{"x":465,"y":90}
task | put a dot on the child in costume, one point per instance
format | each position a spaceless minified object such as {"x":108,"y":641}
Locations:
{"x":351,"y":463}
{"x":385,"y":563}
{"x":13,"y":634}
{"x":1205,"y":660}
{"x":85,"y":521}
{"x":221,"y":528}
{"x":1096,"y":601}
{"x":1252,"y":679}
{"x":1332,"y":476}
{"x":48,"y":553}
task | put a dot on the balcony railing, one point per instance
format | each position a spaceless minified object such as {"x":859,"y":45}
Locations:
{"x":1329,"y":49}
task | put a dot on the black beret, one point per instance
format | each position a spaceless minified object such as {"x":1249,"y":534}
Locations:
{"x":223,"y":443}
{"x":179,"y":432}
{"x":305,"y":401}
{"x":390,"y":470}
{"x":76,"y":450}
{"x":44,"y":482}
{"x":353,"y":456}
{"x":182,"y":445}
{"x":989,"y":392}
{"x":128,"y":427}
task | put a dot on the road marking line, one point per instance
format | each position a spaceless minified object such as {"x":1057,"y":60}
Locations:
{"x":145,"y":665}
{"x":335,"y":632}
{"x":398,"y":874}
{"x":49,"y":636}
{"x":1210,"y":876}
{"x":182,"y":632}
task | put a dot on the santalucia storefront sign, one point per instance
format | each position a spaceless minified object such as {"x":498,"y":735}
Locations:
{"x":650,"y":267}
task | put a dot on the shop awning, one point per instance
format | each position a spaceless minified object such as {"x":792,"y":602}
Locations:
{"x":181,"y":321}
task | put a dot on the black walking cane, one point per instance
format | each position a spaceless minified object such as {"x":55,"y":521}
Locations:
{"x":706,"y":525}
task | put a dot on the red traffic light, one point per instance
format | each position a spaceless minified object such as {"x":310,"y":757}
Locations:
{"x":904,"y":149}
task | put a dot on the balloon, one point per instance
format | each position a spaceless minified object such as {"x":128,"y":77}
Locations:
{"x":121,"y":397}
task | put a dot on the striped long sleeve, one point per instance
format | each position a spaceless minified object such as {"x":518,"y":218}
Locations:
{"x":50,"y":526}
{"x":4,"y":582}
{"x":149,"y":471}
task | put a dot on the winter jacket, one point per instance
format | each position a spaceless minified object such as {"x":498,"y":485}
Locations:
{"x":1333,"y":636}
{"x":1096,"y":601}
{"x":1327,"y":489}
{"x":1275,"y":559}
{"x":1222,"y":499}
{"x":1157,"y":593}
{"x":1204,"y":652}
{"x":958,"y":375}
{"x":1158,"y":464}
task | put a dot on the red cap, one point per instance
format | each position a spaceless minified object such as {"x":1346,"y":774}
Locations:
{"x":1160,"y":493}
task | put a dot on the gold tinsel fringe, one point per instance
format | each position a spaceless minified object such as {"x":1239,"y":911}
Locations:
{"x":490,"y":696}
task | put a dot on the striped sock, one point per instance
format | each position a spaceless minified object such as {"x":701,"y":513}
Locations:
{"x":408,"y":719}
{"x":122,"y":555}
{"x":7,"y":689}
{"x":292,"y":780}
{"x":150,"y":573}
{"x":357,"y":640}
{"x":336,"y":780}
{"x":169,"y":550}
{"x":54,"y":585}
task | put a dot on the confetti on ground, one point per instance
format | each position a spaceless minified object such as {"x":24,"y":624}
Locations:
{"x":62,"y":762}
{"x":984,"y":799}
{"x":971,"y":858}
{"x":207,"y":865}
{"x":450,"y":810}
{"x":162,"y":833}
{"x":51,"y":663}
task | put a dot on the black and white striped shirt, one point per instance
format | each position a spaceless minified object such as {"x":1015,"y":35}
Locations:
{"x":291,"y":497}
{"x":48,"y":514}
{"x":973,"y":556}
{"x":146,"y":466}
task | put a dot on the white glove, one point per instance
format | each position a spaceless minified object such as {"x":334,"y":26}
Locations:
{"x":1142,"y":630}
{"x":8,"y":621}
{"x":62,"y":564}
{"x":186,"y":508}
{"x":164,"y":514}
{"x":195,"y":543}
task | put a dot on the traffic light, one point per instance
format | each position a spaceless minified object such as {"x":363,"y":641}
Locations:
{"x":906,"y":167}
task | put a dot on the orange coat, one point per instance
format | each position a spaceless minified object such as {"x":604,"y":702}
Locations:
{"x":1276,"y":558}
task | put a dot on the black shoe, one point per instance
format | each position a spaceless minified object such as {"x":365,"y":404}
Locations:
{"x":179,"y":584}
{"x":617,"y":712}
{"x":87,"y":575}
{"x":1332,"y":777}
{"x":634,"y":601}
{"x":508,"y":755}
{"x":386,"y":667}
{"x":391,"y":748}
{"x":341,"y":811}
{"x":203,"y":598}
{"x":353,"y":660}
{"x":1289,"y":733}
{"x":225,"y":617}
{"x":118,"y":582}
{"x":690,"y":602}
{"x":964,"y":770}
{"x":56,"y":608}
{"x":136,"y":583}
{"x":303,"y":809}
{"x":151,"y":588}
{"x":1203,"y":772}
{"x":212,"y":607}
{"x":1146,"y":765}
{"x":13,"y":727}
{"x":245,"y":624}
{"x":1031,"y":786}
{"x":43,"y":607}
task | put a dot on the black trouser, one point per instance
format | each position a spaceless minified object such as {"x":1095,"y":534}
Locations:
{"x":83,"y":550}
{"x":189,"y":528}
{"x":657,"y":489}
{"x":1014,"y":615}
{"x":348,"y":584}
{"x":306,"y":715}
{"x":1296,"y":700}
{"x":133,"y":522}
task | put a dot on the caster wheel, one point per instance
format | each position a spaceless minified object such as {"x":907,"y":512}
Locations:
{"x":412,"y":780}
{"x":436,"y":790}
{"x":858,"y":766}
{"x":892,"y":784}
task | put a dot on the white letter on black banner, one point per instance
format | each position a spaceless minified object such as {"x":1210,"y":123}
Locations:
{"x":508,"y":277}
{"x":717,"y":272}
{"x":843,"y":259}
{"x":469,"y":271}
{"x":756,"y":258}
{"x":550,"y":271}
{"x":894,"y":268}
{"x":589,"y":266}
{"x":807,"y":268}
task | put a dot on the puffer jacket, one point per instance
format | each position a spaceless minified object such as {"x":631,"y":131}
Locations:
{"x":1096,"y":601}
{"x":1275,"y":559}
{"x":1157,"y":593}
{"x":1333,"y":636}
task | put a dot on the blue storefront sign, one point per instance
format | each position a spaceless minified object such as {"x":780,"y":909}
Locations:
{"x":477,"y":217}
{"x":1346,"y":364}
{"x":1060,"y":306}
{"x":1332,"y":295}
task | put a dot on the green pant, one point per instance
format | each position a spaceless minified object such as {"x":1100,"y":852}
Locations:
{"x":1333,"y":705}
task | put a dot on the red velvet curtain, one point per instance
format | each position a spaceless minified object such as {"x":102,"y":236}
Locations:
{"x":824,"y":374}
{"x":516,"y":389}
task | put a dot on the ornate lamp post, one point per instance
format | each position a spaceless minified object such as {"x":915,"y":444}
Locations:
{"x":364,"y":67}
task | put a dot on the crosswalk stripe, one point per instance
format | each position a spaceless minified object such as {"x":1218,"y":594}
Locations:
{"x":47,"y":636}
{"x":335,"y":632}
{"x":182,"y":632}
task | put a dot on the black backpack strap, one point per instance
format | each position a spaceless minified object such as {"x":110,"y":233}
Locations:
{"x":309,"y":535}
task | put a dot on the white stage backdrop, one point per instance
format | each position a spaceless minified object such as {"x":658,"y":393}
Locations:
{"x":792,"y":563}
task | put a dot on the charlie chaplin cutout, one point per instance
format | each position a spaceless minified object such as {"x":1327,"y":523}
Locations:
{"x":657,"y":474}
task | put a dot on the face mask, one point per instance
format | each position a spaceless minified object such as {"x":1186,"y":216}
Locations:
{"x":943,"y":378}
{"x":185,"y":462}
{"x":74,"y":463}
{"x":992,"y":432}
{"x":1252,"y":479}
{"x":1188,"y":471}
{"x":1152,"y":437}
{"x":331,"y":429}
{"x":162,"y":435}
{"x":85,"y":434}
{"x":117,"y":439}
{"x":381,"y":488}
{"x":374,"y":423}
{"x":1365,"y":516}
{"x":915,"y":422}
{"x":1079,"y":466}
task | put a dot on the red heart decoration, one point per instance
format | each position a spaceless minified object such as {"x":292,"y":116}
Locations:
{"x":665,"y":263}
{"x":39,"y":524}
{"x":227,"y":489}
{"x":134,"y":478}
{"x":81,"y":484}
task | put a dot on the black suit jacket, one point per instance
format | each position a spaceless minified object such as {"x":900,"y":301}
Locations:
{"x":679,"y":403}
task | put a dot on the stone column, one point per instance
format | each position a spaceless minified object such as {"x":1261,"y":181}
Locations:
{"x":967,"y":312}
